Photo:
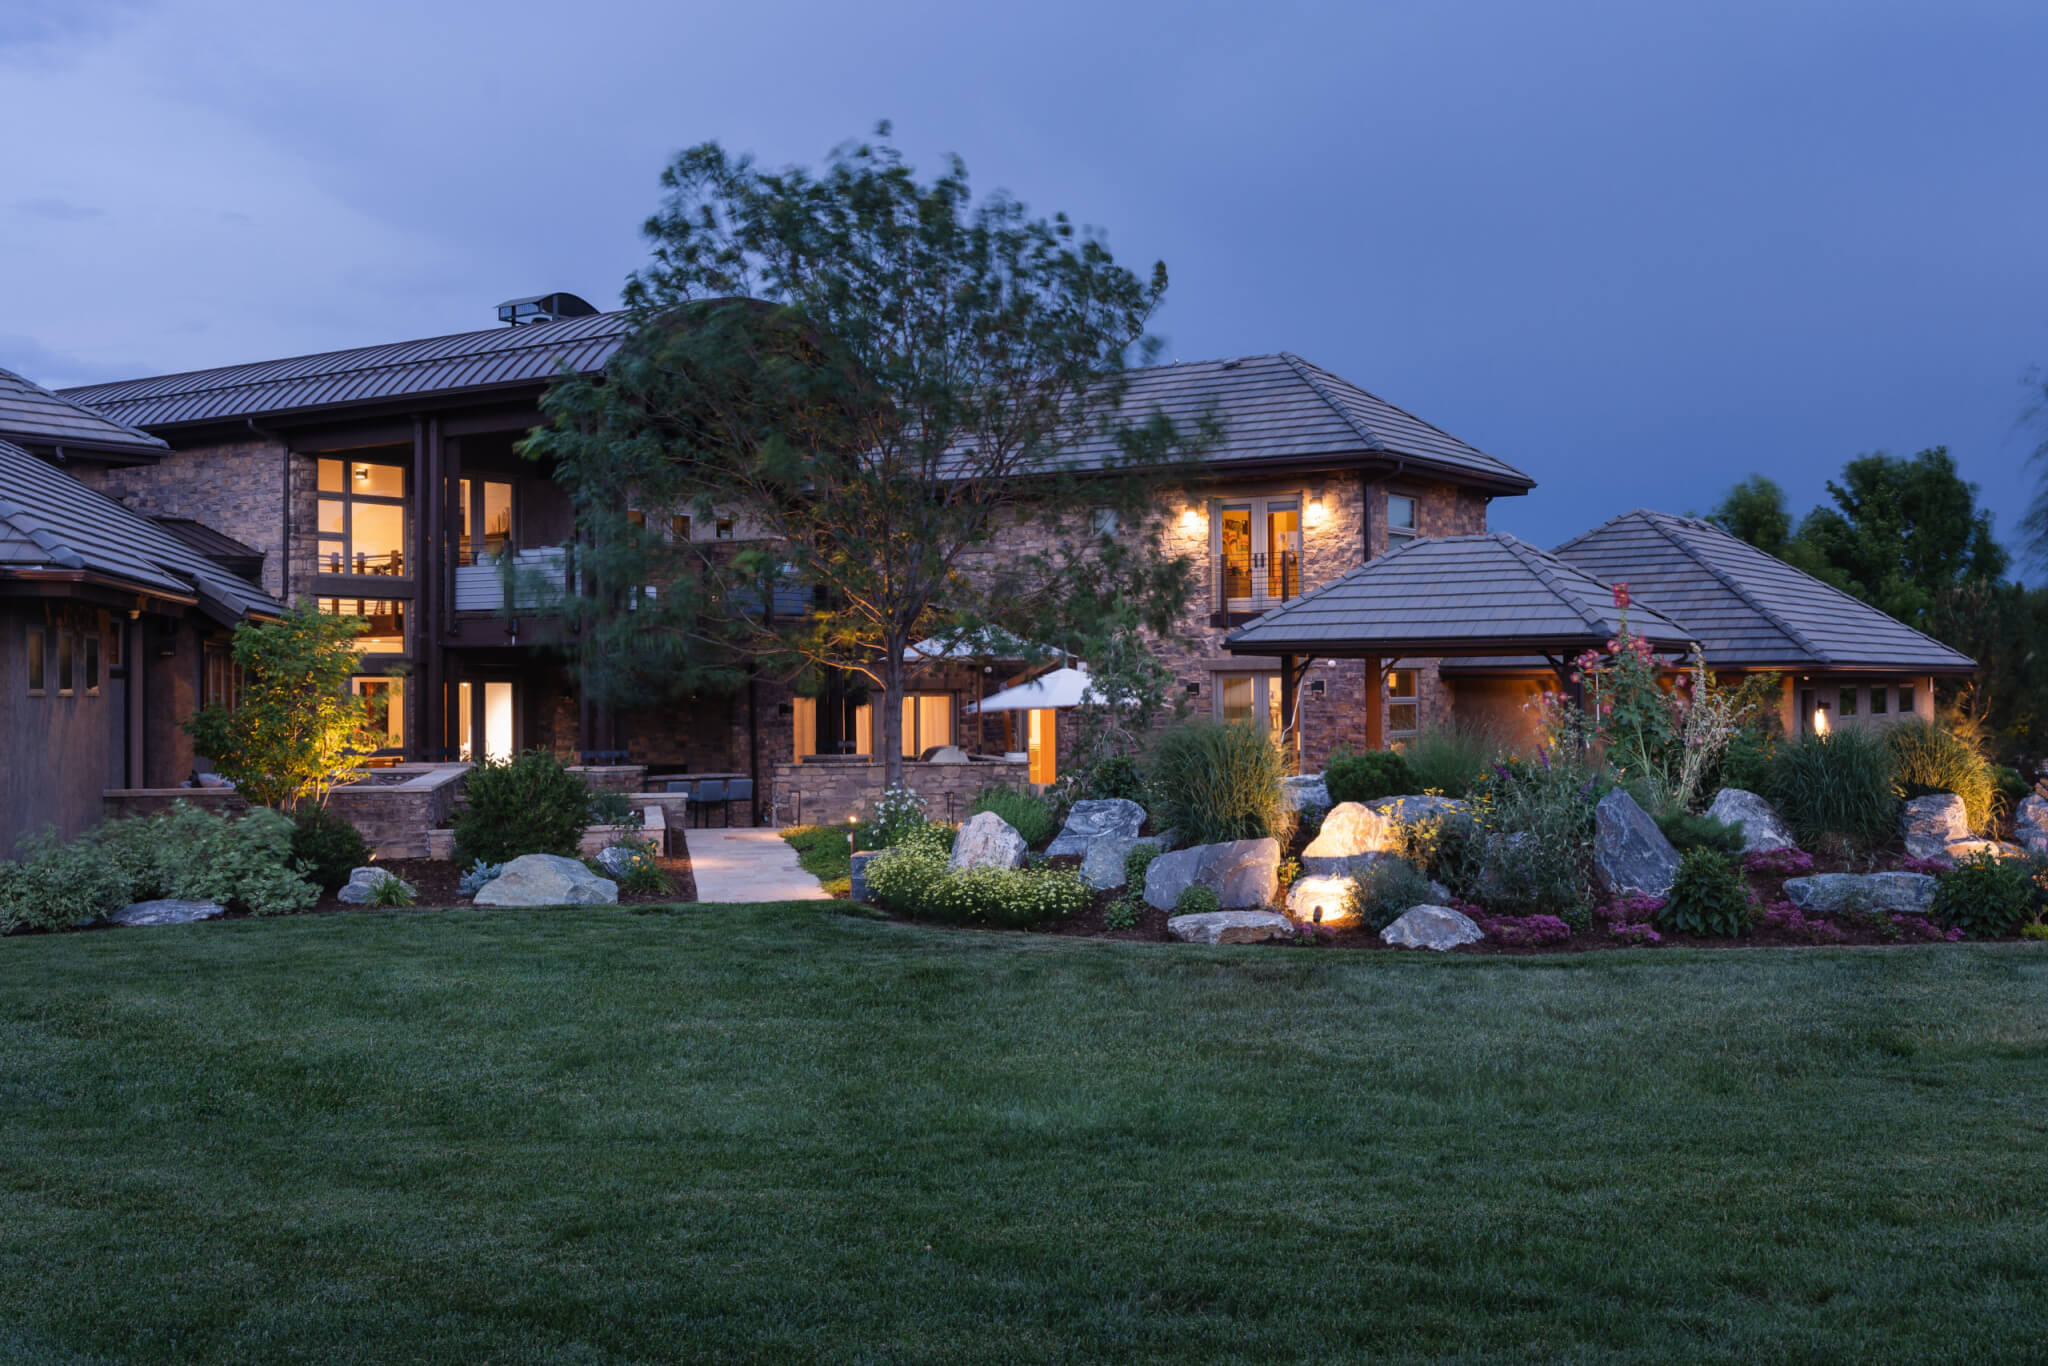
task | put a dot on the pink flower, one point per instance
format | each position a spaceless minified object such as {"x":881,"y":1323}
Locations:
{"x":1621,"y":595}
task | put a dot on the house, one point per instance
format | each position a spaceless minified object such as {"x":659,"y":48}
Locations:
{"x":113,"y":628}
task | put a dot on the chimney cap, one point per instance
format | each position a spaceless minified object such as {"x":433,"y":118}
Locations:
{"x":543,"y":308}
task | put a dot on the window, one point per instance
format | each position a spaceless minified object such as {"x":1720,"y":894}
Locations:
{"x":679,"y":528}
{"x":1906,"y":698}
{"x":1404,"y":709}
{"x":384,"y":631}
{"x":1249,"y":699}
{"x":92,"y":665}
{"x":1848,"y":702}
{"x":1257,"y":551}
{"x":1104,"y":522}
{"x":63,"y":663}
{"x":1402,"y":526}
{"x":385,"y":698}
{"x":1878,"y":697}
{"x":804,"y":711}
{"x":484,"y":524}
{"x":221,"y":682}
{"x":927,"y":721}
{"x":724,"y":528}
{"x":114,"y":647}
{"x":38,"y":662}
{"x":362,"y":517}
{"x":1042,"y":734}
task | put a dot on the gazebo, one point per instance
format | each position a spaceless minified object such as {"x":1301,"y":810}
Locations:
{"x":1467,"y":596}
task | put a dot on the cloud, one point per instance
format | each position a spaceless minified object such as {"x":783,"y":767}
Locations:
{"x":57,"y":209}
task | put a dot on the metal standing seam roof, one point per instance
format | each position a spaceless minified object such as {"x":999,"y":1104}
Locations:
{"x":49,"y":521}
{"x":464,"y":361}
{"x":31,"y":414}
{"x":1482,"y":594}
{"x":1747,"y":607}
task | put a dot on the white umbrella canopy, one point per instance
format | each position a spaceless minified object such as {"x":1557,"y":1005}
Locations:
{"x":987,"y":643}
{"x":1059,"y":688}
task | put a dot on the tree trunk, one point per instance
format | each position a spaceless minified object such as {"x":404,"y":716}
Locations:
{"x":890,"y":732}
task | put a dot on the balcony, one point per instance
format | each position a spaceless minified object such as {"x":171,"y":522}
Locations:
{"x":1247,"y":583}
{"x":539,"y":583}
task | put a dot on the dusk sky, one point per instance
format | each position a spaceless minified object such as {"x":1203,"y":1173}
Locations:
{"x":1638,"y":250}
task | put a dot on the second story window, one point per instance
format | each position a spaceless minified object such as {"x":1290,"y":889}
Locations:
{"x":362,"y":517}
{"x":1257,"y":550}
{"x":486,"y":520}
{"x":1404,"y":709}
{"x":1402,"y":526}
{"x":384,"y":633}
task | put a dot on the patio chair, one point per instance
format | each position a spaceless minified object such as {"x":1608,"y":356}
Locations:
{"x":707,"y":795}
{"x":739,"y":790}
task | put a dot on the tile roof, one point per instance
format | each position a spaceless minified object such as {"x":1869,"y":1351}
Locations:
{"x":33,"y":416}
{"x":1483,"y":594}
{"x":1746,"y":607}
{"x":51,"y":522}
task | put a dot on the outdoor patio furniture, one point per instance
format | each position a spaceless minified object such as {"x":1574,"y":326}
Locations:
{"x":704,"y":797}
{"x":739,"y":790}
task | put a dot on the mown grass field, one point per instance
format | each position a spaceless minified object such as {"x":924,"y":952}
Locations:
{"x":785,"y":1133}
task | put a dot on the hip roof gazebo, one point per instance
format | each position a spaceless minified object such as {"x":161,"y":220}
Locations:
{"x":1471,"y":596}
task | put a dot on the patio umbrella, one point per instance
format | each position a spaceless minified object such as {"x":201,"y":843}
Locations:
{"x":1059,"y":688}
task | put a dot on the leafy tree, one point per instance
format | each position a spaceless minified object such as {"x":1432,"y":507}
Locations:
{"x":2004,"y":627}
{"x":1754,"y":510}
{"x":296,"y":731}
{"x":875,"y":378}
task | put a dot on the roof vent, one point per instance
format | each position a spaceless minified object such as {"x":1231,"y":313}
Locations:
{"x":543,"y":308}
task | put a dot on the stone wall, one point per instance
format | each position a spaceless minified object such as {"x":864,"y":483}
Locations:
{"x":821,"y":794}
{"x":393,"y":818}
{"x":236,"y":487}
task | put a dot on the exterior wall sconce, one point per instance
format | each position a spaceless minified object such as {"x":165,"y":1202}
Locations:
{"x":1316,"y":512}
{"x":1190,"y":519}
{"x":1315,"y":687}
{"x":1820,"y":720}
{"x":1194,"y":690}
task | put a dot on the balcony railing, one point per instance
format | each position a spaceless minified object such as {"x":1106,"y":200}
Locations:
{"x":538,"y":582}
{"x":1251,"y":582}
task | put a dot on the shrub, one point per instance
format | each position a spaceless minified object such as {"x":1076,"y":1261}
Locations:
{"x":392,"y":891}
{"x":1686,"y":830}
{"x":1707,"y":896}
{"x":1535,"y":857}
{"x":2012,"y":789}
{"x":1030,"y":815}
{"x":1369,"y":776}
{"x":1116,"y":776}
{"x":1137,"y":862}
{"x":911,"y":878}
{"x":1214,"y":783}
{"x":1196,"y":900}
{"x":1783,"y":915}
{"x":1449,"y":848}
{"x":1524,"y":931}
{"x":1122,"y":914}
{"x":2034,"y":931}
{"x":643,"y":877}
{"x":1746,"y":763}
{"x":1928,"y":758}
{"x":326,"y":847}
{"x":1840,"y":787}
{"x":479,"y":874}
{"x":55,"y":885}
{"x":528,"y":804}
{"x":1778,"y":862}
{"x":614,"y":808}
{"x":193,"y":854}
{"x":902,"y":878}
{"x":1985,"y":896}
{"x":1451,"y":759}
{"x":1381,"y":893}
{"x":897,"y":812}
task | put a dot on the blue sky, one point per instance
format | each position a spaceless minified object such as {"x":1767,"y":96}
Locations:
{"x":1639,"y":250}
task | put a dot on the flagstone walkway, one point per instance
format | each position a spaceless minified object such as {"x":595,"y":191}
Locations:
{"x":748,"y":865}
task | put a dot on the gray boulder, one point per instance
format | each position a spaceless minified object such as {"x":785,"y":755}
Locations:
{"x":1306,"y":790}
{"x":1349,"y":829}
{"x":1102,"y":867}
{"x":1432,"y":927}
{"x":1762,"y":830}
{"x":1630,"y":854}
{"x":1090,"y":821}
{"x":986,"y":841}
{"x":547,"y":880}
{"x":1230,"y":927}
{"x":1932,"y":823}
{"x":1241,"y":873}
{"x":857,"y":881}
{"x":167,"y":912}
{"x":2030,"y":823}
{"x":621,"y":859}
{"x":362,"y":885}
{"x":1910,"y":893}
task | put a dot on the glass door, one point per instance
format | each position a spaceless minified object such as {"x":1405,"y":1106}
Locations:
{"x":1258,"y":552}
{"x":1251,"y":700}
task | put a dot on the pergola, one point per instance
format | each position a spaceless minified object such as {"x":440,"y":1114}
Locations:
{"x":1481,"y":596}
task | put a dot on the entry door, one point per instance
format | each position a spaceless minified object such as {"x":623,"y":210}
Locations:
{"x":483,"y":712}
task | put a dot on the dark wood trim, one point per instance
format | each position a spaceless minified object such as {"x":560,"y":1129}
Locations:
{"x":402,"y":588}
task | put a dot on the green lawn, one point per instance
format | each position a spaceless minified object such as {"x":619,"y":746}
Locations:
{"x":785,"y":1133}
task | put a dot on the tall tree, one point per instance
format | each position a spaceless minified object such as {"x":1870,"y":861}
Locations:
{"x":878,"y":380}
{"x":1754,"y":510}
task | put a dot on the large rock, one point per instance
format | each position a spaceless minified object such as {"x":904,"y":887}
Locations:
{"x":1932,"y":823}
{"x":1321,"y":899}
{"x":1349,"y":829}
{"x":1961,"y":849}
{"x":1102,"y":867}
{"x":1762,"y":831}
{"x":547,"y":880}
{"x":1630,"y":854}
{"x":361,"y":887}
{"x":1432,"y":927}
{"x":857,"y":877}
{"x":1306,"y":790}
{"x":1090,"y":821}
{"x":1911,"y":893}
{"x":1419,"y":807}
{"x":986,"y":841}
{"x":167,"y":912}
{"x":621,"y":859}
{"x":1230,"y":927}
{"x":2030,"y":823}
{"x":1241,"y":873}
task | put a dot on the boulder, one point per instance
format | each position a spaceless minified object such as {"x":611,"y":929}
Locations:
{"x":948,"y":754}
{"x":1631,"y":857}
{"x":1241,"y":873}
{"x":167,"y":912}
{"x":1419,"y":807}
{"x":2030,"y":823}
{"x":1432,"y":927}
{"x":1762,"y":830}
{"x":1102,"y":867}
{"x":1230,"y":927}
{"x":1306,"y":790}
{"x":362,"y":885}
{"x":1350,"y":829}
{"x":1911,"y":893}
{"x":1090,"y":821}
{"x":857,"y":880}
{"x":986,"y":841}
{"x":620,"y":859}
{"x":547,"y":880}
{"x":1932,"y":823}
{"x":1321,"y":899}
{"x":1962,"y":849}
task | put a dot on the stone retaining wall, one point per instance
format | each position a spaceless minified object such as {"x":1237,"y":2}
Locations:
{"x":821,"y":794}
{"x":395,"y":818}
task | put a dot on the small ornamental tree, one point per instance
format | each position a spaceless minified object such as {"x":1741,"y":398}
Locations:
{"x":296,"y":731}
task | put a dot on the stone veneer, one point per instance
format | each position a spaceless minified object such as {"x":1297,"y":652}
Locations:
{"x":394,"y":818}
{"x":820,"y":794}
{"x":237,"y":488}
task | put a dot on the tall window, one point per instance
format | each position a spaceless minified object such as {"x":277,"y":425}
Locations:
{"x":38,"y":662}
{"x":1250,"y":699}
{"x":927,"y":721}
{"x":1258,"y":551}
{"x":1404,"y":708}
{"x":385,"y":698}
{"x":385,"y":633}
{"x":1402,"y":526}
{"x":64,"y":679}
{"x":92,"y":665}
{"x":362,"y":517}
{"x":486,"y":519}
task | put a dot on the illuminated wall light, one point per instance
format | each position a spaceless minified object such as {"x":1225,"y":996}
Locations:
{"x":1190,"y":519}
{"x":1317,"y":511}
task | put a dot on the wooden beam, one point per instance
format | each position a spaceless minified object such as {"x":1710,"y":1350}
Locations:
{"x":1375,"y":704}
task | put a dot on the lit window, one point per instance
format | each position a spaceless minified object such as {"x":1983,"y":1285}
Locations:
{"x":1249,"y":699}
{"x":484,"y":522}
{"x":1404,"y":711}
{"x":636,"y":516}
{"x":362,"y":520}
{"x":63,"y":663}
{"x":38,"y":662}
{"x":679,"y":528}
{"x":384,"y":698}
{"x":927,"y":721}
{"x":724,"y":528}
{"x":1402,"y":526}
{"x":385,"y":631}
{"x":1257,"y":552}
